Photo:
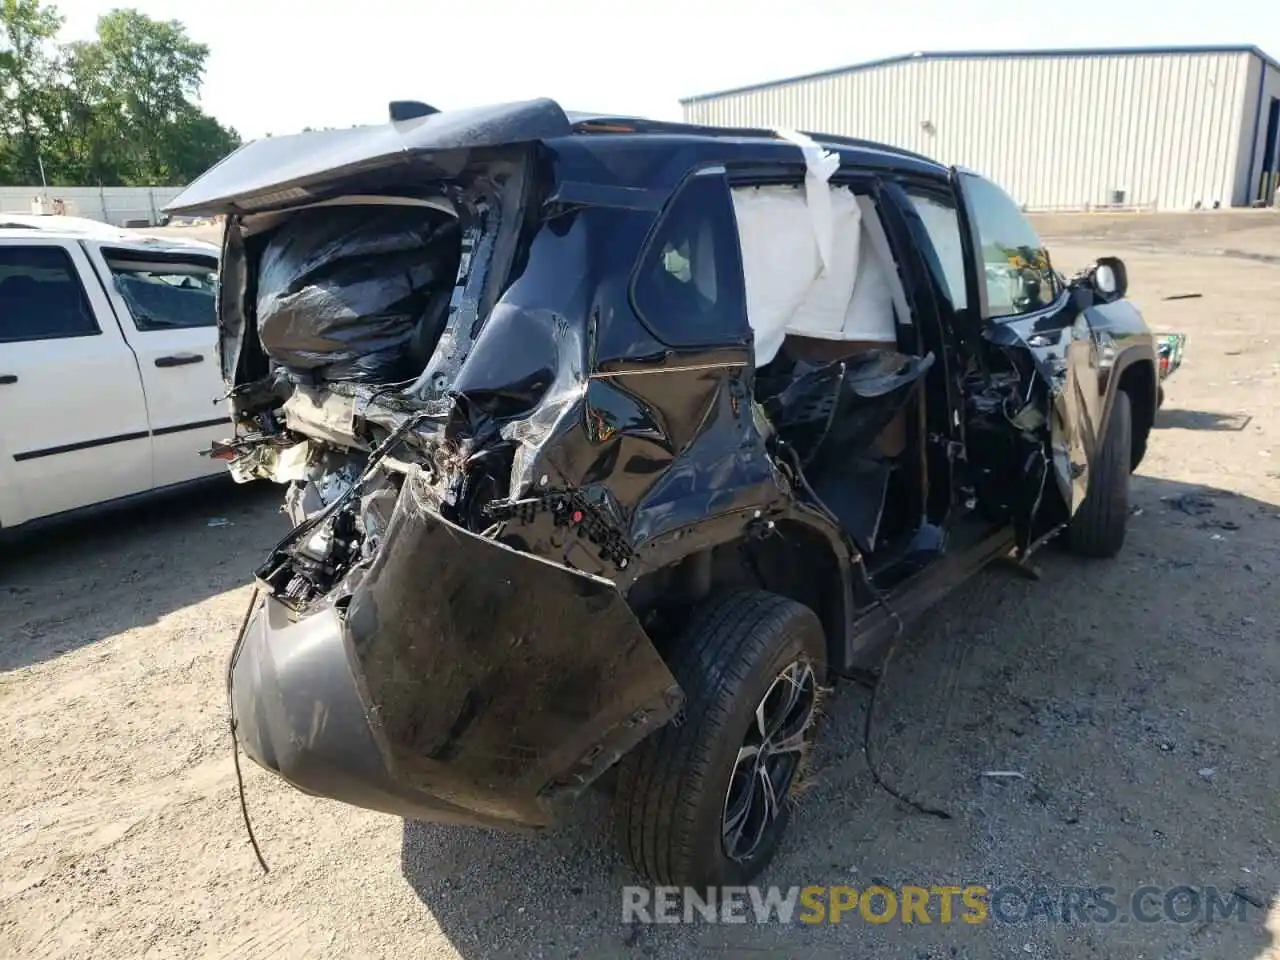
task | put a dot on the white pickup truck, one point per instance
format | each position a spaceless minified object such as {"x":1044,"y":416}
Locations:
{"x":109,"y":382}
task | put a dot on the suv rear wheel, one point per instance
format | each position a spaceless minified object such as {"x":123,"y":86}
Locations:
{"x":704,"y":801}
{"x":1098,"y":527}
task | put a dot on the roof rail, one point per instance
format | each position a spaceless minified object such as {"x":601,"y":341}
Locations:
{"x":868,"y":145}
{"x":613,"y":124}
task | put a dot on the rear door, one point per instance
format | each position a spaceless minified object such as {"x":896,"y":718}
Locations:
{"x":73,"y":421}
{"x":164,"y":300}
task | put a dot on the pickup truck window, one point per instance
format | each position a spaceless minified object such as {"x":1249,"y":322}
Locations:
{"x":166,"y":295}
{"x":1013,"y":264}
{"x":41,"y":297}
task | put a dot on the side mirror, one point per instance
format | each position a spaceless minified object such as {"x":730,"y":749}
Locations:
{"x":1110,"y":278}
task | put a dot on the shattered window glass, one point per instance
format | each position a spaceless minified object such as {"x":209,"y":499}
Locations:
{"x":688,"y":288}
{"x":1014,"y":266}
{"x":167,"y":296}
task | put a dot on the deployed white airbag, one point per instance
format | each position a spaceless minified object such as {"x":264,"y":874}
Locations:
{"x":878,"y":297}
{"x":782,"y":265}
{"x":788,"y":289}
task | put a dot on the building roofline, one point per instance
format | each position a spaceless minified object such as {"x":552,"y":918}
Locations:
{"x":986,"y":55}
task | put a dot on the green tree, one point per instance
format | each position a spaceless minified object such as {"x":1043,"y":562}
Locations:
{"x":153,"y":72}
{"x":119,"y":109}
{"x":88,"y":142}
{"x":27,"y":72}
{"x":193,"y":143}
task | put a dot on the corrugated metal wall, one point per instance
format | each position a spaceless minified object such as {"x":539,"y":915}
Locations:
{"x":1058,"y":132}
{"x":109,"y":204}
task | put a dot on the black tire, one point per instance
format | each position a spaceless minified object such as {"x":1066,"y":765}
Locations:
{"x":1098,"y":527}
{"x":672,"y":794}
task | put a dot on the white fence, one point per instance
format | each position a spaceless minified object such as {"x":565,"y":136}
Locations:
{"x":113,"y":205}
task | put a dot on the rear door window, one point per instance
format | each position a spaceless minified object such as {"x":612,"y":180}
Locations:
{"x":688,"y":288}
{"x":166,"y":295}
{"x":1014,"y":271}
{"x":41,"y":297}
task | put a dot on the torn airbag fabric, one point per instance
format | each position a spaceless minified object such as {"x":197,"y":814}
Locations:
{"x":344,"y":294}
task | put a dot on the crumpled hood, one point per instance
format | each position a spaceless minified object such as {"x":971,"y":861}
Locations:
{"x":285,"y":171}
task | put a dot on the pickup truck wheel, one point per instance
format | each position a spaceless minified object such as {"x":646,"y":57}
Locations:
{"x":1098,"y":527}
{"x":704,"y":801}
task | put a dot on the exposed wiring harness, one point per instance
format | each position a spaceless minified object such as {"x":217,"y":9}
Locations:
{"x":378,"y":454}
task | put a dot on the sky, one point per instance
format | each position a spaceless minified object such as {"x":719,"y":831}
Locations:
{"x":276,"y":66}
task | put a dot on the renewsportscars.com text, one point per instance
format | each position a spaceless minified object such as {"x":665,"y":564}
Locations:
{"x":935,"y":904}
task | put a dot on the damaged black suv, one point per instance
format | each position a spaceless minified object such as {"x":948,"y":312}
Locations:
{"x":612,"y":441}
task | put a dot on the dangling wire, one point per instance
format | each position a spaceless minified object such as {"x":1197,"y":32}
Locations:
{"x":867,"y":724}
{"x":244,"y":808}
{"x":235,"y":742}
{"x":884,"y":669}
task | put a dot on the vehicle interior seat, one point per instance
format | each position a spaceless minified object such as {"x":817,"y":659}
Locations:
{"x":834,"y":414}
{"x":865,"y":469}
{"x":893,"y":439}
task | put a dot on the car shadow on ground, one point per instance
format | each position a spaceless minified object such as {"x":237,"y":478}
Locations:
{"x":60,"y":583}
{"x":1170,"y":419}
{"x":1134,"y":699}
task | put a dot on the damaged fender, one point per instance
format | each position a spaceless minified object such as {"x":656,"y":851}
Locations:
{"x":1064,"y":351}
{"x":1081,"y":353}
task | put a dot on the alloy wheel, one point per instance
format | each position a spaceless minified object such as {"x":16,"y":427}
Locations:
{"x":768,"y":759}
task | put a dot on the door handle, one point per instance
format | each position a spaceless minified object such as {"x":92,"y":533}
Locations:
{"x":178,"y":360}
{"x":8,"y":378}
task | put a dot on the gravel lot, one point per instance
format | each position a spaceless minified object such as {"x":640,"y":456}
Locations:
{"x":1137,"y":697}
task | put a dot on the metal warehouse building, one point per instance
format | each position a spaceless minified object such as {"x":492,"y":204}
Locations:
{"x":1169,"y":128}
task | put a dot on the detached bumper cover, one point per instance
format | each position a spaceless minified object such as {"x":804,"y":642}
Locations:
{"x":466,"y":682}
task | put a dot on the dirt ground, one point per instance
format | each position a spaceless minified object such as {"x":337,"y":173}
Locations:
{"x":1137,"y":699}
